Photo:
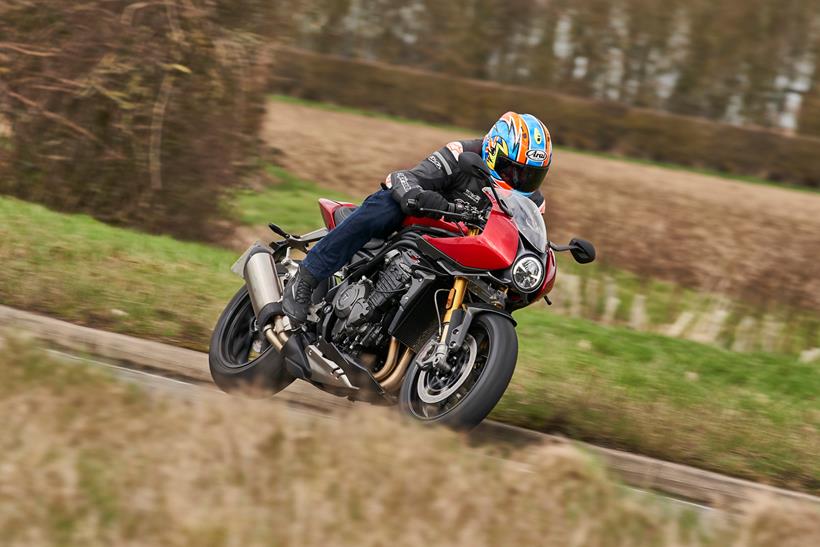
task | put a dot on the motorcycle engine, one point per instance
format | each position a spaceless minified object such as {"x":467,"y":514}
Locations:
{"x":361,"y":308}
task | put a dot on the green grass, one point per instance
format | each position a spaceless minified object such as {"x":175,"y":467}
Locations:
{"x":79,"y":269}
{"x":290,"y":202}
{"x":754,"y":416}
{"x":330,"y":107}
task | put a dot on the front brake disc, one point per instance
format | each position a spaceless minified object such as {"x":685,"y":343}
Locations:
{"x":432,"y":388}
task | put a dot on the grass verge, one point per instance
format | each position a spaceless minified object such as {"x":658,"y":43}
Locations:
{"x":290,"y":201}
{"x":753,"y":416}
{"x":90,"y":461}
{"x":81,"y":270}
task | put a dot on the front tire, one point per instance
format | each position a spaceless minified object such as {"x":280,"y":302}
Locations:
{"x":240,"y":358}
{"x":464,"y":398}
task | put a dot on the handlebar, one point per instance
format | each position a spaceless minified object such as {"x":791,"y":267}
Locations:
{"x":462,"y":213}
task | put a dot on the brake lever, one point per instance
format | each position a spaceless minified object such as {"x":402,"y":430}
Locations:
{"x":469,"y":218}
{"x":445,"y":214}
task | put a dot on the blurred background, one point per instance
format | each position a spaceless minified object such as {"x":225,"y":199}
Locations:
{"x":144,"y":144}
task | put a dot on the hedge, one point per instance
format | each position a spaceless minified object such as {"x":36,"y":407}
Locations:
{"x":138,"y":113}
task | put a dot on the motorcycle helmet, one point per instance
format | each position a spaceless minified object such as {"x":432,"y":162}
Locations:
{"x":518,"y":151}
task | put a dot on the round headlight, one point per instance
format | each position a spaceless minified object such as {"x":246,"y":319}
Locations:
{"x":527,"y":273}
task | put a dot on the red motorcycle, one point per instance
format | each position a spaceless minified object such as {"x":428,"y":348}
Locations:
{"x":422,"y":319}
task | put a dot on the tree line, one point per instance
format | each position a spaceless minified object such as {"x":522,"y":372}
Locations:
{"x":142,"y":113}
{"x":735,"y":61}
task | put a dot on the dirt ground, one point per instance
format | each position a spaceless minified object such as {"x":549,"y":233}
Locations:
{"x":754,"y":241}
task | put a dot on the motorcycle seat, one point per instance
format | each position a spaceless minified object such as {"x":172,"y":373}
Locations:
{"x":341,"y":213}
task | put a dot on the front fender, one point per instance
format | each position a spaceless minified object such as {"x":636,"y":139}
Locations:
{"x":462,"y":319}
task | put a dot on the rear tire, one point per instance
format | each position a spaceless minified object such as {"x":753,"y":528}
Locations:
{"x":233,"y":363}
{"x":496,"y":346}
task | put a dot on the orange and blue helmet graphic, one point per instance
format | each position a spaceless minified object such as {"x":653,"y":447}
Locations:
{"x":518,"y":151}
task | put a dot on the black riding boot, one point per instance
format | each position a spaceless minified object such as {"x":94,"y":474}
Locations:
{"x":298,"y":293}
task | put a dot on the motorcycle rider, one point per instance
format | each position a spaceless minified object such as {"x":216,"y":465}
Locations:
{"x":518,"y":152}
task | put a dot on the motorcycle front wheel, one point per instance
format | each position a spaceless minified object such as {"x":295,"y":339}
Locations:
{"x":240,"y":357}
{"x":480,"y":373}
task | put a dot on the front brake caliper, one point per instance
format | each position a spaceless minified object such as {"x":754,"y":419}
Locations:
{"x":433,"y":356}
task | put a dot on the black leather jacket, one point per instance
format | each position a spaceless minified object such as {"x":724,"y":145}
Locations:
{"x":440,"y":173}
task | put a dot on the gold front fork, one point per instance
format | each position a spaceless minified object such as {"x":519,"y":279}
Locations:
{"x":455,"y":299}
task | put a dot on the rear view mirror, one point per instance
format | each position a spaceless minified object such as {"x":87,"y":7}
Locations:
{"x":470,"y":162}
{"x":582,"y":250}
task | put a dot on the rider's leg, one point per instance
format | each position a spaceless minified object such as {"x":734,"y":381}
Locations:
{"x":378,"y":216}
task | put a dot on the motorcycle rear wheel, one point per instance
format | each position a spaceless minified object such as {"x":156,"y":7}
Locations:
{"x":463,"y":398}
{"x":240,"y":358}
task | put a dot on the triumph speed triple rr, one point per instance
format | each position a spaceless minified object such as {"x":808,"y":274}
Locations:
{"x":421,"y":319}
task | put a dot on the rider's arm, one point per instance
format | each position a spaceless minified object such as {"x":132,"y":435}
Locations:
{"x":432,"y":174}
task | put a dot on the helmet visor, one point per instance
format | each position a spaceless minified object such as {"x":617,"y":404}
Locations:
{"x":524,"y":178}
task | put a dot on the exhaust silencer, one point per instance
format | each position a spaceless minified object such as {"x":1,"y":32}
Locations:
{"x":264,"y":285}
{"x":265,"y":290}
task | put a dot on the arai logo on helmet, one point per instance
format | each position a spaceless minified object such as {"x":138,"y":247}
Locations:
{"x":537,"y":155}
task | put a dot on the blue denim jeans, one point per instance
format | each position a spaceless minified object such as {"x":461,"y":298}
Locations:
{"x":378,"y":216}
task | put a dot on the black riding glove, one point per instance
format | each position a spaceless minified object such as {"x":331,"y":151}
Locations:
{"x":417,"y":199}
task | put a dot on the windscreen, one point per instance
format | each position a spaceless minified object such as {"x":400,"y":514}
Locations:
{"x":527,"y":217}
